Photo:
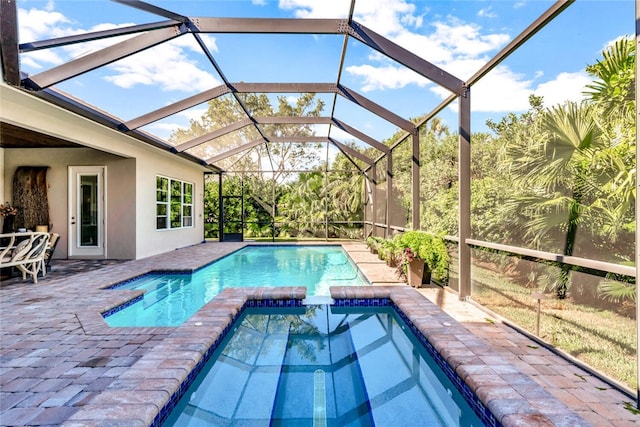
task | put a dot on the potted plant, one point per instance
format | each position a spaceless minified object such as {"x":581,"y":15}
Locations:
{"x":8,"y":214}
{"x":385,"y":251}
{"x":424,"y":256}
{"x":373,"y":243}
{"x":434,"y":252}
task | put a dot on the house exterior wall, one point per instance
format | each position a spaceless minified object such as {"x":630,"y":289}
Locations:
{"x":132,"y":167}
{"x":120,"y":226}
{"x":151,"y":241}
{"x":2,"y":194}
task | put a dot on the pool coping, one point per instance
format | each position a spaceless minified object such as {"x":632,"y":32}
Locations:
{"x":513,"y":398}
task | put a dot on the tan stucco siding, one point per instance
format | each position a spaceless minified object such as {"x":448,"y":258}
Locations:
{"x":132,"y":167}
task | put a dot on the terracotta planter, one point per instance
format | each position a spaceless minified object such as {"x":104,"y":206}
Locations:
{"x":417,"y":274}
{"x":415,"y":271}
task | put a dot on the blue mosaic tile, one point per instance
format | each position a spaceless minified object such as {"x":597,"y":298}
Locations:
{"x":125,"y":282}
{"x":150,"y":273}
{"x":121,"y":306}
{"x":362,"y":302}
{"x":474,"y":401}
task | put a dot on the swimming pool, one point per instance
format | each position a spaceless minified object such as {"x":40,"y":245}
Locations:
{"x":172,"y":298}
{"x":322,"y":366}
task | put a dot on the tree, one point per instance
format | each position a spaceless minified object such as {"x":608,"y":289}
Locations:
{"x":574,"y":168}
{"x":280,"y":157}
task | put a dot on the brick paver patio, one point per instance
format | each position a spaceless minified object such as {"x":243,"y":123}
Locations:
{"x":61,"y":365}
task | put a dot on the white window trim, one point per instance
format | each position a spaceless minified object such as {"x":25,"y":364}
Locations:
{"x":167,"y":203}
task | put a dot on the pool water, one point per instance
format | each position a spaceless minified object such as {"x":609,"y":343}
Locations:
{"x":171,"y":299}
{"x":321,"y":366}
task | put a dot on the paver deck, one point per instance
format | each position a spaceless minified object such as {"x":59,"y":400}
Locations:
{"x":61,"y":365}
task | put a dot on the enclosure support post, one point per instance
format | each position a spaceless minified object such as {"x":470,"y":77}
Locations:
{"x":389,"y":192}
{"x":326,"y":198}
{"x":374,"y":199}
{"x":415,"y":180}
{"x":464,"y":198}
{"x":637,"y":254}
{"x":220,"y":220}
{"x":273,"y":210}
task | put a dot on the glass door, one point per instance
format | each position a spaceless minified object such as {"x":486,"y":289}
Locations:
{"x":86,"y":211}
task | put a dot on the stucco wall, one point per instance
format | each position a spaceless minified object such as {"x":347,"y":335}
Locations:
{"x":2,"y":194}
{"x":138,"y":202}
{"x":150,"y":240}
{"x":121,"y":194}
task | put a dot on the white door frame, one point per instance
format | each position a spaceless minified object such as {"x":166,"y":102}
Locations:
{"x":94,"y":244}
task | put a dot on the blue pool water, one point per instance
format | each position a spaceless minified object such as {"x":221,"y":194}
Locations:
{"x":170,"y":299}
{"x":321,"y":366}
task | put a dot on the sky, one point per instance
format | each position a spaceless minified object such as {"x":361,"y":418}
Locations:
{"x":456,"y":36}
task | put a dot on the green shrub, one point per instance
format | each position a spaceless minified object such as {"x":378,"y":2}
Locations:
{"x":428,"y":247}
{"x":373,"y":243}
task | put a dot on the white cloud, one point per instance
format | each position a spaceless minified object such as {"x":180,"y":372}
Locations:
{"x":487,"y":13}
{"x":37,"y":24}
{"x":169,"y":66}
{"x":448,"y":43}
{"x":166,"y":66}
{"x":387,"y":17}
{"x":316,"y":8}
{"x":565,"y":87}
{"x":503,"y":90}
{"x":386,"y":77}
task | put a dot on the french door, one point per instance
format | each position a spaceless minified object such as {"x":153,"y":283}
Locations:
{"x":87,"y":211}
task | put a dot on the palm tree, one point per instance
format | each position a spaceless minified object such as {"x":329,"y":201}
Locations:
{"x":575,"y":167}
{"x":558,"y":166}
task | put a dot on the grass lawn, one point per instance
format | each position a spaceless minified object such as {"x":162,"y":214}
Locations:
{"x":601,"y":338}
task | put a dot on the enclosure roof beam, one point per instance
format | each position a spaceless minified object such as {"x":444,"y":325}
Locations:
{"x":343,"y":55}
{"x":547,"y":16}
{"x":147,"y":7}
{"x":322,"y":121}
{"x":298,"y":138}
{"x":285,"y":120}
{"x":213,"y":135}
{"x":362,"y":136}
{"x":270,"y":25}
{"x":376,"y":109}
{"x":102,"y":57}
{"x":9,"y":42}
{"x":344,"y":91}
{"x":274,"y":88}
{"x":76,"y":106}
{"x":95,"y":35}
{"x":243,"y":87}
{"x":351,"y":151}
{"x":407,"y":58}
{"x":176,"y":107}
{"x":233,"y":151}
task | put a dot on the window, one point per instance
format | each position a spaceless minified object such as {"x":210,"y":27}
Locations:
{"x":174,"y":203}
